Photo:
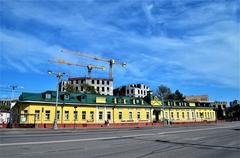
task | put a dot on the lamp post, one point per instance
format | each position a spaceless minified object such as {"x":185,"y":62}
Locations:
{"x":163,"y":108}
{"x":59,"y":76}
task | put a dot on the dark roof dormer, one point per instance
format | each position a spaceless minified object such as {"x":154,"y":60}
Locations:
{"x":47,"y":95}
{"x":81,"y":97}
{"x":65,"y":96}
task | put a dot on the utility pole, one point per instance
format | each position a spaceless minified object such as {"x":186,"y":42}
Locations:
{"x":59,"y":76}
{"x":13,"y":88}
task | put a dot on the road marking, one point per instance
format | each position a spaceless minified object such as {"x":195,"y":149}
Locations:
{"x":108,"y":138}
{"x":65,"y":134}
{"x":54,"y":134}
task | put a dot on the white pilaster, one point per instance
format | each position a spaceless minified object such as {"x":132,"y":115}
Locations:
{"x":105,"y":113}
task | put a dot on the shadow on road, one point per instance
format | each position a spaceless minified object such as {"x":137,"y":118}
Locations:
{"x":199,"y":145}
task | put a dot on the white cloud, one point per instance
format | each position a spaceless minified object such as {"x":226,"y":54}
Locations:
{"x":198,"y":42}
{"x":25,"y":52}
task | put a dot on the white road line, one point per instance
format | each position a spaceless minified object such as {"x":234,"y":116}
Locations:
{"x":55,"y":134}
{"x":64,"y":134}
{"x":117,"y":137}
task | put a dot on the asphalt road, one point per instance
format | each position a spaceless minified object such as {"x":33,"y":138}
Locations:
{"x":215,"y":140}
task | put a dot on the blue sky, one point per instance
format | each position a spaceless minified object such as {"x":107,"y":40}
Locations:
{"x":190,"y":45}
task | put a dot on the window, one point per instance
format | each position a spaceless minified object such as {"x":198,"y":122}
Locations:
{"x":97,"y":89}
{"x":188,"y":116}
{"x":138,"y":115}
{"x":183,"y":115}
{"x":107,"y":89}
{"x":132,"y":91}
{"x":103,"y":89}
{"x":197,"y":114}
{"x":58,"y":115}
{"x":119,"y":115}
{"x":92,"y":81}
{"x":107,"y":82}
{"x":48,"y":96}
{"x":166,"y":115}
{"x":91,"y":115}
{"x":37,"y":115}
{"x":75,"y":114}
{"x":130,"y":115}
{"x":147,"y":115}
{"x":172,"y":116}
{"x":201,"y":114}
{"x":97,"y":81}
{"x":83,"y":115}
{"x":66,"y":115}
{"x":109,"y":115}
{"x":100,"y":115}
{"x":102,"y":81}
{"x":178,"y":116}
{"x":47,"y":115}
{"x":193,"y":115}
{"x":76,"y":81}
{"x":137,"y":101}
{"x":66,"y":97}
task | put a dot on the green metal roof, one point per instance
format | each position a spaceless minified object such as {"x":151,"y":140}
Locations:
{"x":88,"y":99}
{"x":80,"y":98}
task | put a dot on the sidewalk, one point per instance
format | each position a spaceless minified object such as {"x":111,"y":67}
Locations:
{"x":107,"y":128}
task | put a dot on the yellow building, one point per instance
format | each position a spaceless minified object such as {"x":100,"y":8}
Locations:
{"x":181,"y":111}
{"x":81,"y":109}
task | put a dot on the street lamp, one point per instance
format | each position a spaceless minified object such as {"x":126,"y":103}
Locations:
{"x":59,"y":76}
{"x":163,"y":109}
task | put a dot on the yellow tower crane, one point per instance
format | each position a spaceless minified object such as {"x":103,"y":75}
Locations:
{"x":110,"y":61}
{"x":89,"y":66}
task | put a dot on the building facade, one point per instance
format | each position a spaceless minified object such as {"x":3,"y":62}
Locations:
{"x":101,"y":85}
{"x":234,"y":103}
{"x":81,"y":109}
{"x":197,"y":98}
{"x":132,"y":90}
{"x":181,"y":111}
{"x":220,"y":108}
{"x":4,"y":117}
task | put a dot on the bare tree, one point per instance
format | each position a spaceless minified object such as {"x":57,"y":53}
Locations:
{"x":163,"y":92}
{"x":86,"y":87}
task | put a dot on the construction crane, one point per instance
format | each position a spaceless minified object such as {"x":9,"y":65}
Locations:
{"x":110,"y":61}
{"x":89,"y":66}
